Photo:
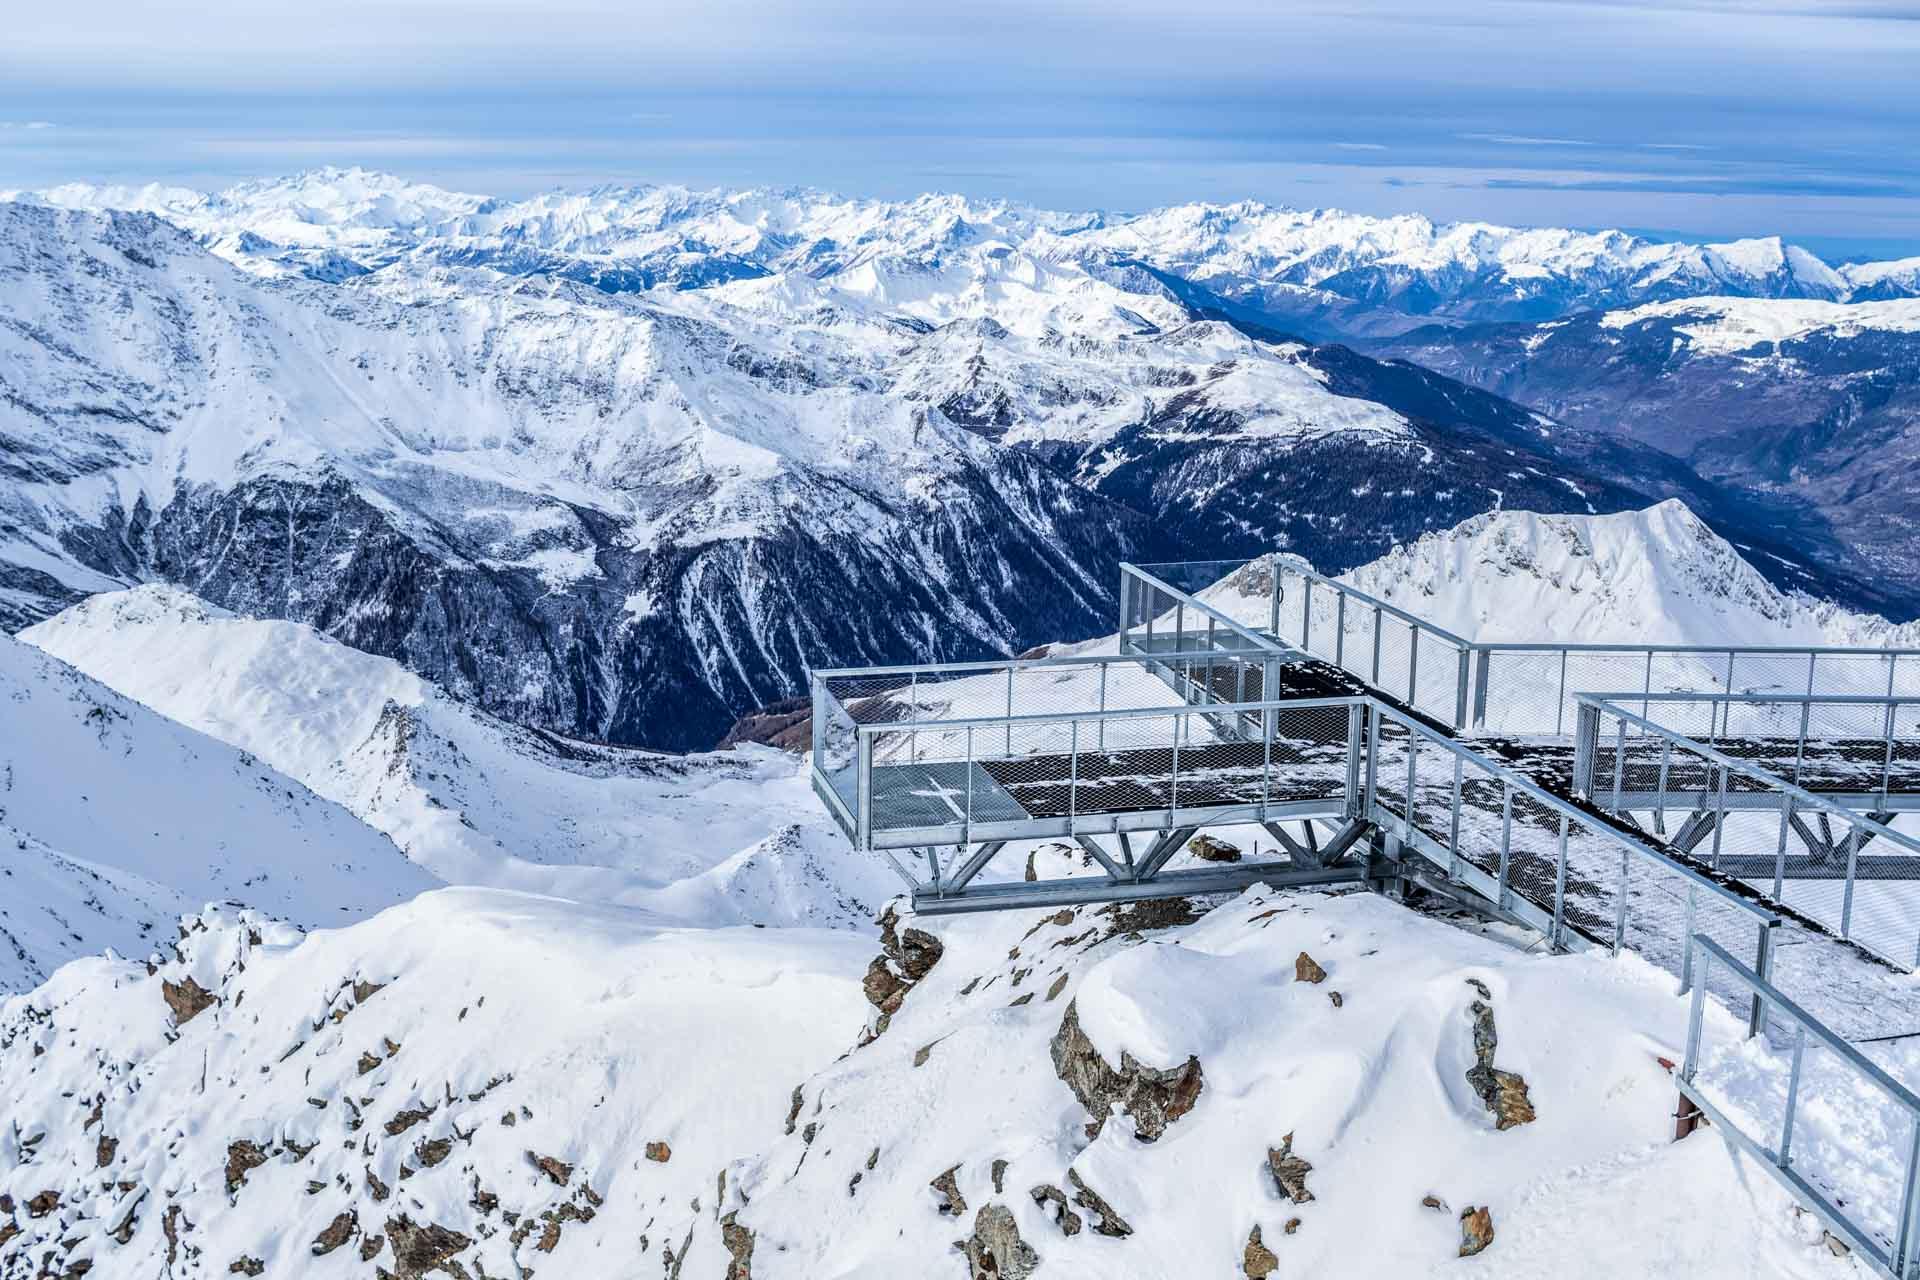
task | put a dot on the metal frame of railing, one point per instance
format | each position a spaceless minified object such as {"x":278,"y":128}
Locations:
{"x":1840,"y":1212}
{"x":1475,"y":695}
{"x":1775,"y":792}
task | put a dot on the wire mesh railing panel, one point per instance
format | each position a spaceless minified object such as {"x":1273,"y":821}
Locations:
{"x":1519,"y":692}
{"x":1735,"y":807}
{"x":1762,"y":672}
{"x":1391,"y":663}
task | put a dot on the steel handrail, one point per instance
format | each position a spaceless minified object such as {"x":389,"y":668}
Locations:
{"x":1799,"y":796}
{"x":1335,"y":584}
{"x":1262,"y":643}
{"x":1120,"y":713}
{"x":1523,"y":785}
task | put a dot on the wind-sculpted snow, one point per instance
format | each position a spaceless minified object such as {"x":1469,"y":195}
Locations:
{"x":730,"y":837}
{"x":115,"y":819}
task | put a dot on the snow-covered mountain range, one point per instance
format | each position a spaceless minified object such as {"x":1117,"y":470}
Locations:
{"x":1336,"y":273}
{"x":623,"y":464}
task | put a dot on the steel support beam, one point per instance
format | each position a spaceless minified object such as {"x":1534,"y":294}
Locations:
{"x":1078,"y":890}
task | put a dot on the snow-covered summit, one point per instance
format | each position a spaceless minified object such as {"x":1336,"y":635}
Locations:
{"x":1658,"y":576}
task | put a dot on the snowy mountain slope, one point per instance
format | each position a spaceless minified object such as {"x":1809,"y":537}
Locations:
{"x":722,"y":838}
{"x":620,"y":519}
{"x":1657,"y":576}
{"x":631,"y":517}
{"x":1814,"y":404}
{"x":421,"y":1090}
{"x":490,"y":1063}
{"x":115,"y":819}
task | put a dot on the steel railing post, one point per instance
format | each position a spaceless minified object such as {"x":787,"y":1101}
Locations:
{"x":1619,"y":764}
{"x":1355,"y":728}
{"x":1784,"y":1155}
{"x":1483,"y":670}
{"x":1502,"y":885}
{"x":1009,"y":712}
{"x":1126,"y":613}
{"x":1660,"y":802}
{"x":1719,"y":816}
{"x":818,"y":728}
{"x":1460,"y":693}
{"x":1560,"y":702}
{"x":1174,"y":806}
{"x":1886,"y":767}
{"x":1800,"y":751}
{"x":1340,"y":629}
{"x":1376,"y":647}
{"x":1686,"y":958}
{"x":1073,"y":778}
{"x":1620,"y":904}
{"x":1646,"y":695}
{"x":966,"y":825}
{"x":1104,"y":668}
{"x":1266,"y":774}
{"x":1453,"y":818}
{"x":1560,"y":888}
{"x":1273,"y":603}
{"x":1413,"y":665}
{"x":1846,"y":898}
{"x":1780,"y":849}
{"x":1373,"y":761}
{"x":864,"y":775}
{"x":1586,"y":745}
{"x":1691,"y":1065}
{"x":1413,"y":755}
{"x":1179,"y":626}
{"x":1306,"y":616}
{"x":1905,"y":1254}
{"x":1763,"y":958}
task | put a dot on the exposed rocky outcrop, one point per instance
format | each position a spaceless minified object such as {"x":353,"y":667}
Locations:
{"x":187,"y":998}
{"x":908,"y":955}
{"x":1257,"y":1262}
{"x":1289,"y":1171}
{"x":1476,"y":1230}
{"x":1307,"y":969}
{"x":1504,"y":1093}
{"x":739,"y":1245}
{"x":1106,"y":1221}
{"x":1208,"y":849}
{"x":1154,"y":1097}
{"x":422,"y":1248}
{"x":995,"y":1251}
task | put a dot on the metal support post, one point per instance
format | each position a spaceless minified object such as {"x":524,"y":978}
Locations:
{"x":1763,"y":965}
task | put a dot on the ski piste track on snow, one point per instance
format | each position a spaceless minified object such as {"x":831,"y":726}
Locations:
{"x":1727,"y":814}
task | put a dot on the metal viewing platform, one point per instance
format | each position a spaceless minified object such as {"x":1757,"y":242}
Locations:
{"x":1693,"y":805}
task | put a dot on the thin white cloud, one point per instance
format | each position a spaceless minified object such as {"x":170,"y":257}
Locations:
{"x":1524,"y":140}
{"x":1360,"y":146}
{"x":26,"y":124}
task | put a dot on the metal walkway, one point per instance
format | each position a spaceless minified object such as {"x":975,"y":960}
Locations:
{"x":1730,"y":816}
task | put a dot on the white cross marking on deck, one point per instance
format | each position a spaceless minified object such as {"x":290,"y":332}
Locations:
{"x":945,"y":795}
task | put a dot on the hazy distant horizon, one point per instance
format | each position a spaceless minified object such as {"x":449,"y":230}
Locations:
{"x":1698,"y":121}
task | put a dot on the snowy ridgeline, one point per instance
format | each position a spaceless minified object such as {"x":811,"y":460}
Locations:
{"x":494,"y":1084}
{"x":1658,"y":576}
{"x":337,"y":224}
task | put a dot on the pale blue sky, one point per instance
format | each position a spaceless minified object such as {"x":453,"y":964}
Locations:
{"x":1700,"y":119}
